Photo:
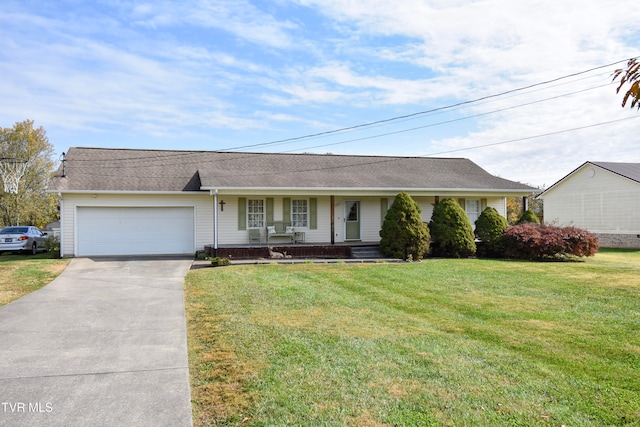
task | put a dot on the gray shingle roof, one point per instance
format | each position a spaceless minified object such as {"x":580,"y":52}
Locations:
{"x":627,"y":170}
{"x":96,"y":169}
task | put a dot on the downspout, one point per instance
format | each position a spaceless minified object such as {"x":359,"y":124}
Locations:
{"x":215,"y":222}
{"x":333,"y":225}
{"x":61,"y":207}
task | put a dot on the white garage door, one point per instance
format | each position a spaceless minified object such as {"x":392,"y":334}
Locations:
{"x":135,"y":231}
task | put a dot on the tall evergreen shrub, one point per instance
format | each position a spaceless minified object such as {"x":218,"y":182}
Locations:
{"x":529,"y":216}
{"x":490,"y":227}
{"x":403,"y":234}
{"x":451,"y":231}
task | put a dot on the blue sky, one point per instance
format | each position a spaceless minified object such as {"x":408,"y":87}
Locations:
{"x":218,"y":75}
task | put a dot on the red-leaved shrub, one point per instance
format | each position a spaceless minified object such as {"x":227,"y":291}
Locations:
{"x":533,"y":241}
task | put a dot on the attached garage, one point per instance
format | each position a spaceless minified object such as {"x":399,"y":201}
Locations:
{"x":135,"y":231}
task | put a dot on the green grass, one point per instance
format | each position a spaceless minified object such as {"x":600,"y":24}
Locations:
{"x":442,"y":342}
{"x":22,"y":274}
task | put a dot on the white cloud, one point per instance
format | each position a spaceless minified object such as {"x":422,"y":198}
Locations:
{"x":541,"y":143}
{"x":474,"y":48}
{"x":87,"y":83}
{"x":238,"y":17}
{"x":248,"y":72}
{"x":539,"y":39}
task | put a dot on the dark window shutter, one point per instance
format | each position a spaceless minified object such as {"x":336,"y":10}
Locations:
{"x":269,"y":208}
{"x":313,"y":213}
{"x":286,"y":209}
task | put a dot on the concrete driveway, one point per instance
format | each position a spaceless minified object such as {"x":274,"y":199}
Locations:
{"x":102,"y":345}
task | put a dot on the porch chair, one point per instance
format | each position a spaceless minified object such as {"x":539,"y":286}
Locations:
{"x":254,"y":236}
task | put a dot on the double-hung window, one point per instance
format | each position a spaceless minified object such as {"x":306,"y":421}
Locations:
{"x":473,"y":208}
{"x":255,"y":213}
{"x":299,"y":213}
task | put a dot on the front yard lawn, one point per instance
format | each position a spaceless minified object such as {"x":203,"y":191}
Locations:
{"x":22,"y":274}
{"x":443,"y":342}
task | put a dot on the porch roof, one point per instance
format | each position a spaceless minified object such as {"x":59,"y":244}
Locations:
{"x":123,"y":170}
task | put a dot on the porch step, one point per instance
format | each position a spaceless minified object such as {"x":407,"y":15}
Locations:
{"x":366,"y":252}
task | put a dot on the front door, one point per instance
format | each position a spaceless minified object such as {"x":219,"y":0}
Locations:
{"x":352,"y":220}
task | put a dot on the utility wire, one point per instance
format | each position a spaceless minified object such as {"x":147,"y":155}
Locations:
{"x":526,"y":138}
{"x":174,"y":154}
{"x":463,"y":103}
{"x":196,"y":156}
{"x":458,"y":119}
{"x":379,"y":159}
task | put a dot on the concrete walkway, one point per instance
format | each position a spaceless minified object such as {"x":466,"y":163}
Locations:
{"x":102,"y":345}
{"x":204,"y":263}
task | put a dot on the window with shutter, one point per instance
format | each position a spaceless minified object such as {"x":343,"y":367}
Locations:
{"x":299,"y":213}
{"x":255,"y":213}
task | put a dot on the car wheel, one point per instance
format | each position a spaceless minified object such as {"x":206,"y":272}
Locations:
{"x":34,"y":249}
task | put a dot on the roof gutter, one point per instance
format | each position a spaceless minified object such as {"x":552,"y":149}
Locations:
{"x":214,"y":192}
{"x":377,"y":190}
{"x":173,"y":193}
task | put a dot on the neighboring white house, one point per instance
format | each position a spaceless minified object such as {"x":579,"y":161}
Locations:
{"x":601,"y":197}
{"x":53,"y":229}
{"x":128,"y":202}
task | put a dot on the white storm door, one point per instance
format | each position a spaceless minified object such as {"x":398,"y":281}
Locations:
{"x":352,"y":220}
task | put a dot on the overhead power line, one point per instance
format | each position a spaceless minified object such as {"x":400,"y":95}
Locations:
{"x":418,"y":113}
{"x":457,"y":119}
{"x":382,"y":159}
{"x":174,"y":155}
{"x":531,"y":137}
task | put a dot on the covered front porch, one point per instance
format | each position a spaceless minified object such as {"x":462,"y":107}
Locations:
{"x":344,"y":250}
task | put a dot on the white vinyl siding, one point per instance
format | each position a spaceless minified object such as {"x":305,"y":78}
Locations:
{"x":601,"y":203}
{"x":370,"y":219}
{"x":228,"y":232}
{"x":427,"y":203}
{"x":230,"y":235}
{"x":369,"y":213}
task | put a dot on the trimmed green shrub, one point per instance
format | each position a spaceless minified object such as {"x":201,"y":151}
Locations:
{"x":220,"y":262}
{"x":529,"y":216}
{"x":403,"y":234}
{"x":451,"y":231}
{"x":52,"y":244}
{"x":490,"y":227}
{"x":537,"y":242}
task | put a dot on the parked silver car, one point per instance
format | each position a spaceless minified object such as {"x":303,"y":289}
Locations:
{"x":22,"y":238}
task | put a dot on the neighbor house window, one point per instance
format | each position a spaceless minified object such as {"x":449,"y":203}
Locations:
{"x":255,"y":213}
{"x":473,"y":210}
{"x":299,"y":213}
